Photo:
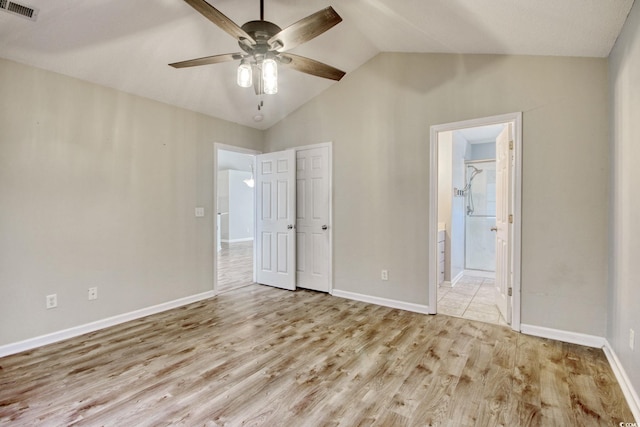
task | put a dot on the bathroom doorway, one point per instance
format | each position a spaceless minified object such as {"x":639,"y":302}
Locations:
{"x":474,"y":254}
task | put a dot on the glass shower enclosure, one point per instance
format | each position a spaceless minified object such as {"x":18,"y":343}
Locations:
{"x":480,"y":200}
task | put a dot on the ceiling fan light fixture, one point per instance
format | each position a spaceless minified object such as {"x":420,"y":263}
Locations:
{"x":270,"y":76}
{"x":263,"y":43}
{"x":245,"y":74}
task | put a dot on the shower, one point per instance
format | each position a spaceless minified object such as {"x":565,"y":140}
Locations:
{"x":467,"y":189}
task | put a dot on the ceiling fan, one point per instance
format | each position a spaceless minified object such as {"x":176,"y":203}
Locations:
{"x":265,"y":45}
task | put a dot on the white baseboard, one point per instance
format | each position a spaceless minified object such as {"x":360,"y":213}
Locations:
{"x":457,"y":278}
{"x":75,"y":331}
{"x":385,"y":302}
{"x":625,"y":383}
{"x":630,"y":393}
{"x":246,"y":239}
{"x":480,"y":273}
{"x":564,"y":336}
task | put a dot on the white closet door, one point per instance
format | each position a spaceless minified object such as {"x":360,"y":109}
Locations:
{"x":312,"y":218}
{"x":275,"y":234}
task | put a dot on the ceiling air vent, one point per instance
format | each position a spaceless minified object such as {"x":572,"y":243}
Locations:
{"x":19,"y":9}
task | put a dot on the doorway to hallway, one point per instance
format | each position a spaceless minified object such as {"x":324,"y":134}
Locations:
{"x":235,"y":217}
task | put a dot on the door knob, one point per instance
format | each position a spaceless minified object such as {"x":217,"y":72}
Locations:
{"x":494,"y":228}
{"x":324,"y":227}
{"x":290,"y":227}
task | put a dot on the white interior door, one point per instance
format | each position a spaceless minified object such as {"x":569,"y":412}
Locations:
{"x":503,"y":225}
{"x":312,"y":218}
{"x":275,"y":224}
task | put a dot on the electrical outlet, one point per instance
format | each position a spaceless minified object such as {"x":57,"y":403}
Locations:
{"x":199,"y":212}
{"x":384,"y":275}
{"x":632,"y":338}
{"x":52,"y":301}
{"x":93,"y":293}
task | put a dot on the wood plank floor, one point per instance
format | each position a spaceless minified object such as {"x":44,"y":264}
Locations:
{"x":235,"y":265}
{"x":263,"y":356}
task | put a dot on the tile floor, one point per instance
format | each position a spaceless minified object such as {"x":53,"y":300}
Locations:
{"x":470,"y":298}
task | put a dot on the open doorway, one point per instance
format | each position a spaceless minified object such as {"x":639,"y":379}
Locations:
{"x":475,"y":221}
{"x":235,"y":217}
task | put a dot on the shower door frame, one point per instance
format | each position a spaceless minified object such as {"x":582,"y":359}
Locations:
{"x":516,"y":208}
{"x":473,"y":162}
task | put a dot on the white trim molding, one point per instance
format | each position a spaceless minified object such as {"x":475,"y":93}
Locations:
{"x":385,"y":302}
{"x":216,"y":149}
{"x":629,"y":392}
{"x":516,"y":208}
{"x":564,"y":336}
{"x":76,"y":331}
{"x":457,"y":278}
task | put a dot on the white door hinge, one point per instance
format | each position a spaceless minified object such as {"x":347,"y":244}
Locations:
{"x":510,"y":291}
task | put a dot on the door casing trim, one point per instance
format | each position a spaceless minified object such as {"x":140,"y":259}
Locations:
{"x":225,"y":147}
{"x":516,"y":189}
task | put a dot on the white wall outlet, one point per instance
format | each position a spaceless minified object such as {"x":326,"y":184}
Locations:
{"x":632,"y":338}
{"x":93,"y":293}
{"x":199,"y":212}
{"x":384,"y":275}
{"x":52,"y":301}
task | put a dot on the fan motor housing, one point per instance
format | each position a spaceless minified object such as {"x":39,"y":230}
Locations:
{"x":261,"y":31}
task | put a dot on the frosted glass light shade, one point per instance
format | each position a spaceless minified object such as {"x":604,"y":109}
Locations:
{"x":245,"y":75}
{"x":270,"y":76}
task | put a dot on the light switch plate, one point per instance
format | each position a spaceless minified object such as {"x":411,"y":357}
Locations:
{"x":199,"y":212}
{"x":52,"y":301}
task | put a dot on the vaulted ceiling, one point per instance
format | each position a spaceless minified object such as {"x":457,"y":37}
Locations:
{"x":127,"y":44}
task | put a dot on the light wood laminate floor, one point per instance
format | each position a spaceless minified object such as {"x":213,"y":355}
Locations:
{"x":235,"y":265}
{"x":262,"y":356}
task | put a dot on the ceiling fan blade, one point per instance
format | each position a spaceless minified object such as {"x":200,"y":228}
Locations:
{"x":218,"y":18}
{"x":215,"y":59}
{"x":305,"y":29}
{"x":310,"y":66}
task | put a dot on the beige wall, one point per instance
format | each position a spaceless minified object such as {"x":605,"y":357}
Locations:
{"x":98,"y":188}
{"x":379,"y":117}
{"x":624,"y":295}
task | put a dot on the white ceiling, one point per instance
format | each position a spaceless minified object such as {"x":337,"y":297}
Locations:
{"x":481,"y":134}
{"x":127,"y":44}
